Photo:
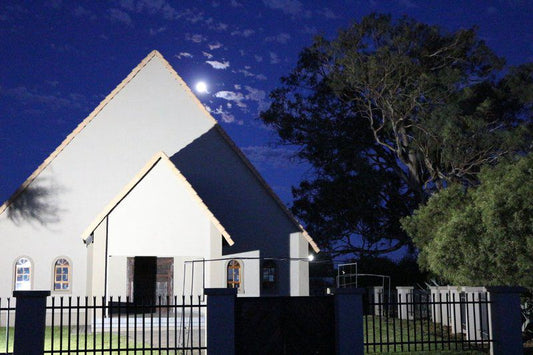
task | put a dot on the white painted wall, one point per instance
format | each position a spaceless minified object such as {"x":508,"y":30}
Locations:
{"x":153,"y":112}
{"x":299,"y":268}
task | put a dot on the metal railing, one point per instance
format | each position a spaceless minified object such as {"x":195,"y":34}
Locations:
{"x":427,"y":322}
{"x":7,"y":321}
{"x":90,"y":325}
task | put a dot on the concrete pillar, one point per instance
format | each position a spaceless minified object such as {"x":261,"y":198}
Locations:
{"x":221,"y":320}
{"x":505,"y":320}
{"x":349,"y":321}
{"x":299,"y":269}
{"x":376,"y":296}
{"x":30,"y":319}
{"x":405,"y":296}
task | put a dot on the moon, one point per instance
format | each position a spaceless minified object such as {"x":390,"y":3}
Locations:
{"x":201,"y":87}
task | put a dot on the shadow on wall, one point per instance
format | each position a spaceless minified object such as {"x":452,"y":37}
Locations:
{"x":34,"y":204}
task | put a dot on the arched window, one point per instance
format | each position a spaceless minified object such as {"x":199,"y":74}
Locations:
{"x":62,"y":275}
{"x":234,"y":274}
{"x":23,"y":274}
{"x":268,"y":274}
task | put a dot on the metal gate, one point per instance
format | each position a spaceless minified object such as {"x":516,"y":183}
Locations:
{"x":285,"y":325}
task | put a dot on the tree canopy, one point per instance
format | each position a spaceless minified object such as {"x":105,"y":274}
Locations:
{"x":481,"y":235}
{"x":387,"y":113}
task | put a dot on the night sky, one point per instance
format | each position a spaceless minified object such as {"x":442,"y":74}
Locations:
{"x":59,"y":59}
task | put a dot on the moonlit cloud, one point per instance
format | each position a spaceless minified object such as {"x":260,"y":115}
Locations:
{"x":207,"y":55}
{"x":282,"y":38}
{"x":184,"y":55}
{"x":236,"y":97}
{"x":274,"y":59}
{"x":245,"y":33}
{"x":119,"y":16}
{"x":328,"y":14}
{"x":195,"y":37}
{"x":151,"y":7}
{"x":288,"y":7}
{"x":218,"y":65}
{"x":258,"y":96}
{"x":215,"y":45}
{"x":277,"y":157}
{"x":54,"y":101}
{"x":154,"y":31}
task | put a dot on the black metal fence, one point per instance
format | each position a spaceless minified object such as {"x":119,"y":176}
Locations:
{"x":90,"y":325}
{"x":7,"y":317}
{"x":422,"y":321}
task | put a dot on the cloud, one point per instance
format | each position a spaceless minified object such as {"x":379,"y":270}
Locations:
{"x":195,"y":37}
{"x":278,"y":157}
{"x":236,"y":97}
{"x":260,"y":77}
{"x":119,"y":16}
{"x":288,"y":7}
{"x":80,"y":11}
{"x":282,"y":38}
{"x":207,"y":55}
{"x":215,"y":45}
{"x":245,"y":33}
{"x":218,"y":65}
{"x":257,"y":96}
{"x":274,"y":59}
{"x":258,"y":58}
{"x":235,"y":3}
{"x":151,"y":7}
{"x":155,"y":31}
{"x":54,"y":101}
{"x":184,"y":55}
{"x":245,"y":72}
{"x":328,"y":14}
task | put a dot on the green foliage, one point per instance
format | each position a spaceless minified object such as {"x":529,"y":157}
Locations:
{"x":389,"y":112}
{"x":481,"y":235}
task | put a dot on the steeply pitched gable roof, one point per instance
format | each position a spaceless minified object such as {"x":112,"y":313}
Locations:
{"x":189,"y":93}
{"x":157,"y":158}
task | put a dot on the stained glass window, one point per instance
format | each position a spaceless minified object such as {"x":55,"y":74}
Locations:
{"x":234,"y":274}
{"x":61,"y":275}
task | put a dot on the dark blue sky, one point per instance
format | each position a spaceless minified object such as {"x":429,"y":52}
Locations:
{"x":59,"y":59}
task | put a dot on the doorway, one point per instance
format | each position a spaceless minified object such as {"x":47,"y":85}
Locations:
{"x":149,"y":279}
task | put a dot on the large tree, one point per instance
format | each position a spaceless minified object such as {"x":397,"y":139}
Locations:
{"x":388,"y":113}
{"x":481,"y":235}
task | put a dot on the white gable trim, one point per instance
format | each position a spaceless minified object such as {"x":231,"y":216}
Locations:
{"x":96,"y":111}
{"x":140,"y":175}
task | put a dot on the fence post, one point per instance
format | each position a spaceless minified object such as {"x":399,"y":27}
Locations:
{"x":221,"y":320}
{"x":505,"y":320}
{"x":30,"y":321}
{"x":349,"y":321}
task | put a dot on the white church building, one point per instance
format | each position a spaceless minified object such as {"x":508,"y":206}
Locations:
{"x":149,"y":197}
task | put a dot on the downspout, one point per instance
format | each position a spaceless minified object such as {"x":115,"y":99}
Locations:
{"x":106,"y":256}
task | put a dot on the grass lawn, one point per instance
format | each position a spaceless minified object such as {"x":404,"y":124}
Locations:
{"x":426,"y":339}
{"x":96,"y":341}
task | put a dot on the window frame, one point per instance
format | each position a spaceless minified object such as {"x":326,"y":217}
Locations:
{"x":240,"y":273}
{"x":268,"y":285}
{"x":14,"y":274}
{"x":70,"y":273}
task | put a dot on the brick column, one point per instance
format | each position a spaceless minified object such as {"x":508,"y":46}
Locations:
{"x":505,"y":320}
{"x":221,"y":320}
{"x":349,"y":320}
{"x":30,"y":319}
